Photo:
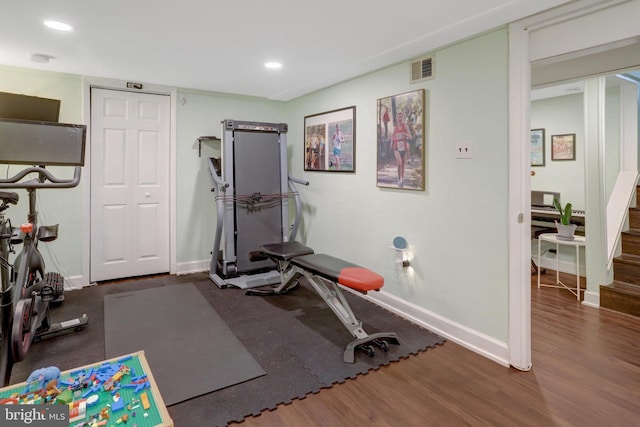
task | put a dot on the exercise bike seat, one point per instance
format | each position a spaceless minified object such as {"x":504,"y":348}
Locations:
{"x":285,"y":251}
{"x":9,"y":197}
{"x":340,"y":271}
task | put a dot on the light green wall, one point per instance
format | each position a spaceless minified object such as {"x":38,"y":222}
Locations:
{"x":561,"y":115}
{"x":54,"y":206}
{"x":457,"y":228}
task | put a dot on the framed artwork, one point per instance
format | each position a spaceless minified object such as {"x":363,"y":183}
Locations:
{"x":400,"y":142}
{"x":537,"y":147}
{"x":563,"y":147}
{"x":330,"y":141}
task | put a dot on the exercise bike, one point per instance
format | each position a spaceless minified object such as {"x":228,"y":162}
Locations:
{"x":6,"y":298}
{"x":31,"y":290}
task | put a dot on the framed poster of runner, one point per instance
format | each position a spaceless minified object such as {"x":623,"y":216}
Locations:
{"x":330,"y":141}
{"x":400,"y":141}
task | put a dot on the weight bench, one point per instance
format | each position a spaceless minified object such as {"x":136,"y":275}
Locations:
{"x":325,"y":273}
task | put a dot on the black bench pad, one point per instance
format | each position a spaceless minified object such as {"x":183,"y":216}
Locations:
{"x":343,"y":272}
{"x":285,"y":251}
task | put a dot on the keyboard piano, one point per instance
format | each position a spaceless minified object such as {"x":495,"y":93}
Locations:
{"x":546,"y":216}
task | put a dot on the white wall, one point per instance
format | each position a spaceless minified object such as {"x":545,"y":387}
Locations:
{"x":612,"y":138}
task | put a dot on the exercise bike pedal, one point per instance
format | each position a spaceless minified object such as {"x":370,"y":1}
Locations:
{"x":53,"y":289}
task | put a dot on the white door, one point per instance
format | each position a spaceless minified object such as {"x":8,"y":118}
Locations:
{"x":130,"y":135}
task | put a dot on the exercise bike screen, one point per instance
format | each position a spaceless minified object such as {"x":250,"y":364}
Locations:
{"x":41,"y":143}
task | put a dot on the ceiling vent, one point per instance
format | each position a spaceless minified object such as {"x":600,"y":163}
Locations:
{"x":422,"y":69}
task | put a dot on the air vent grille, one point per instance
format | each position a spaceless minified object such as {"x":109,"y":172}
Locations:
{"x":422,"y":69}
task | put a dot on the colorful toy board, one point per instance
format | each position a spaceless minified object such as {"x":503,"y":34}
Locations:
{"x":119,"y":391}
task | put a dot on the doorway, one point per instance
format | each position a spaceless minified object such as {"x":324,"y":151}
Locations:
{"x":130,"y":152}
{"x":580,"y":28}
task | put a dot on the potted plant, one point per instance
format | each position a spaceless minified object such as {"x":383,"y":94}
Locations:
{"x":566,"y":230}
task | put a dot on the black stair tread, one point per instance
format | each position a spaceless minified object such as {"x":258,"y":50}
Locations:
{"x":624,"y":287}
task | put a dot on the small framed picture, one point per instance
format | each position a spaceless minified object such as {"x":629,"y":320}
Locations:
{"x":330,"y":141}
{"x":537,"y":147}
{"x":563,"y":147}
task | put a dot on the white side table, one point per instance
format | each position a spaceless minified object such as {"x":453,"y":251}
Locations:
{"x":577,"y":242}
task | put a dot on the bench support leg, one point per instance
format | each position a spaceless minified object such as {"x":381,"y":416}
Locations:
{"x":288,"y":281}
{"x":335,"y":299}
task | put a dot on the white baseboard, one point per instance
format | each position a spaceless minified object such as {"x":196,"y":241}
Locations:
{"x":469,"y":338}
{"x":78,"y":282}
{"x":75,"y":282}
{"x":591,"y":299}
{"x":192,"y":267}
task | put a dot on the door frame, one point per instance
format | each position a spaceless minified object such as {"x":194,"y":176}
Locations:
{"x":522,"y":52}
{"x":109,"y":84}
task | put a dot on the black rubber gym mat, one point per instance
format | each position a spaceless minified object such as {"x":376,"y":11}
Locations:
{"x":190,"y":349}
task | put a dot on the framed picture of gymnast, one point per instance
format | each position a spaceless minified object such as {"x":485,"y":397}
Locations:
{"x":330,"y":141}
{"x":400,"y":141}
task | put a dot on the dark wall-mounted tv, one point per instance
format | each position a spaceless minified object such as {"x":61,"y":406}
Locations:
{"x":41,"y":143}
{"x":24,"y":107}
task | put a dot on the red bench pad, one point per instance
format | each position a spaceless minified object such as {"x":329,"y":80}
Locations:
{"x":343,"y":272}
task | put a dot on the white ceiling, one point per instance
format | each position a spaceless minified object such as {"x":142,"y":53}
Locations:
{"x":221,"y":45}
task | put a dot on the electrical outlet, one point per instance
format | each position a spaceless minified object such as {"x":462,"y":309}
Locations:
{"x":463,"y":150}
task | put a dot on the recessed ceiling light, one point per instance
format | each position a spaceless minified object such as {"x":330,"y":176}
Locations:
{"x":273,"y":65}
{"x":57,"y":25}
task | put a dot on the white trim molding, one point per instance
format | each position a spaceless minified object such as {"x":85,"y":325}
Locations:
{"x":172,"y":92}
{"x":460,"y":334}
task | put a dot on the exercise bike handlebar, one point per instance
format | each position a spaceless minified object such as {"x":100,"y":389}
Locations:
{"x":44,"y":175}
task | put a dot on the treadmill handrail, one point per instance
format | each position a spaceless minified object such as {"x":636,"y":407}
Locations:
{"x":298,"y":204}
{"x":44,"y":175}
{"x":298,"y":180}
{"x":219,"y":183}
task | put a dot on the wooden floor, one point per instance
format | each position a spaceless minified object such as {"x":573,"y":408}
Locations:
{"x":586,"y":372}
